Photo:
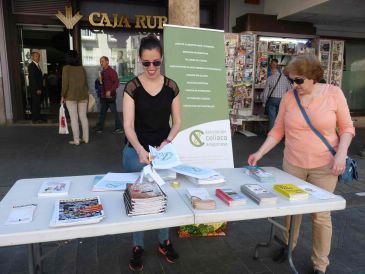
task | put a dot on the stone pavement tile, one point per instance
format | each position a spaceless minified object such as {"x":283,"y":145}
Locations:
{"x":87,"y":259}
{"x":5,"y":267}
{"x":65,"y":262}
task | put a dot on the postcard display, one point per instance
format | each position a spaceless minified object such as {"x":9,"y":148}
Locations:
{"x":240,"y":65}
{"x":330,"y":54}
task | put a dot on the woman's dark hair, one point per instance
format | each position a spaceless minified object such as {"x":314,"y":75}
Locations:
{"x":150,"y":42}
{"x":72,"y":58}
{"x":306,"y":65}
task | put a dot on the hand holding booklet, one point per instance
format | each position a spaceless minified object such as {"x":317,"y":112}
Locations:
{"x":165,"y":157}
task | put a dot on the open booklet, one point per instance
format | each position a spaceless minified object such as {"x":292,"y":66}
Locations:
{"x":21,"y":214}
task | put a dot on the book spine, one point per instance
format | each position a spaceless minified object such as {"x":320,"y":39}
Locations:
{"x":223,"y":198}
{"x":225,"y":195}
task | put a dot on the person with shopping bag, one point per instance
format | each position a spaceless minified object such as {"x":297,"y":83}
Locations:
{"x":75,"y":93}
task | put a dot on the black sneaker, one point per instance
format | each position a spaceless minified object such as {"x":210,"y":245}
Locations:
{"x":135,"y":263}
{"x":168,"y":251}
{"x":118,"y":130}
{"x":97,"y":130}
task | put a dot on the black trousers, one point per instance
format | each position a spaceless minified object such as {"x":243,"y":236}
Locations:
{"x":36,"y":106}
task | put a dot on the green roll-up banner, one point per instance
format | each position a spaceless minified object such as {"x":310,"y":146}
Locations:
{"x":194,"y":58}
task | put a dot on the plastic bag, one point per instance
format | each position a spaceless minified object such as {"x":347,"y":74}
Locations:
{"x":63,"y":129}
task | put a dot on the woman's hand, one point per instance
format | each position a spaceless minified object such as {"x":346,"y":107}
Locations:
{"x":164,"y":143}
{"x":254,"y":158}
{"x":62,"y":101}
{"x":339,"y":164}
{"x":143,"y":156}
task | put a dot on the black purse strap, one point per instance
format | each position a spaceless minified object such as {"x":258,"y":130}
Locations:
{"x":333,"y":151}
{"x":271,"y":92}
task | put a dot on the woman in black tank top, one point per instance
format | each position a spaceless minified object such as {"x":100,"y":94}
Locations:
{"x":149,"y":101}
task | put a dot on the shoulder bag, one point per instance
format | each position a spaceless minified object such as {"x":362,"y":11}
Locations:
{"x":350,"y":172}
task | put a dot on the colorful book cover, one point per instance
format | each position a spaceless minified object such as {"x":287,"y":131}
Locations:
{"x":291,"y":191}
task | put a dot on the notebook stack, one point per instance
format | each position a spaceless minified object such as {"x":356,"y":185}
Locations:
{"x":144,"y":198}
{"x":200,"y":198}
{"x":259,"y":174}
{"x":259,"y":194}
{"x":291,"y":192}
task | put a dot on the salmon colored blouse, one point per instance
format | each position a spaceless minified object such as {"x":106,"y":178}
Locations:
{"x":303,"y":148}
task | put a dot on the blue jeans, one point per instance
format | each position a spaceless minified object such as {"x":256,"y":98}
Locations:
{"x":131,"y":163}
{"x":272,"y":110}
{"x":104,"y":106}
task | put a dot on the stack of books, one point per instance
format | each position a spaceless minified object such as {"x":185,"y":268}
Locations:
{"x":77,"y":212}
{"x":200,"y":198}
{"x":230,"y":197}
{"x":259,"y":174}
{"x":199,"y":175}
{"x":291,"y":192}
{"x":259,"y":194}
{"x":144,"y":198}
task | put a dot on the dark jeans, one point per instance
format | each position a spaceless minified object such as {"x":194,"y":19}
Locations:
{"x":105,"y":104}
{"x":272,"y":106}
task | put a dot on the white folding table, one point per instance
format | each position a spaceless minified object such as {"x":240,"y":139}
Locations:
{"x":179,"y":211}
{"x":235,"y":178}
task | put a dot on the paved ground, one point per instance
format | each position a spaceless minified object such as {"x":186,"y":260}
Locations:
{"x":38,"y":151}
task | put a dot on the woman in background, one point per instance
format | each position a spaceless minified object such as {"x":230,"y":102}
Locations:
{"x":305,"y":155}
{"x":75,"y":93}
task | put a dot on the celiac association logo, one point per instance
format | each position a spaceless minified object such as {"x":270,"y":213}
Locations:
{"x":212,"y":138}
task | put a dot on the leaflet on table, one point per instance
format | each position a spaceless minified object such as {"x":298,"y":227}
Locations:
{"x":196,"y":172}
{"x":115,"y":181}
{"x":77,"y":211}
{"x":317,"y":192}
{"x":150,"y":172}
{"x":165,"y":157}
{"x":54,"y":188}
{"x":198,"y":192}
{"x":21,"y":214}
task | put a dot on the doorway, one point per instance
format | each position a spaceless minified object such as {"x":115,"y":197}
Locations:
{"x":51,"y":43}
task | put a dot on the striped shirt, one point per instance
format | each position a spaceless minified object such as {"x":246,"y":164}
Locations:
{"x":282,"y":87}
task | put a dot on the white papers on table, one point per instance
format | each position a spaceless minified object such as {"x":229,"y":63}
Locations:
{"x":21,"y":214}
{"x":115,"y":181}
{"x":196,"y":172}
{"x":148,"y":171}
{"x":164,"y":158}
{"x":317,"y":192}
{"x":54,"y":188}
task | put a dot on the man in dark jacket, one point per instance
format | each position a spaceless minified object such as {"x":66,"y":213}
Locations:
{"x":109,"y":80}
{"x":35,"y":77}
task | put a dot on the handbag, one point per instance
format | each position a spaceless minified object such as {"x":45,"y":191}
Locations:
{"x":350,"y":172}
{"x":91,"y":103}
{"x":62,"y":129}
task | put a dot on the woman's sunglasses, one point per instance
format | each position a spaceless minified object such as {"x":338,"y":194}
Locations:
{"x":298,"y":80}
{"x":155,"y":63}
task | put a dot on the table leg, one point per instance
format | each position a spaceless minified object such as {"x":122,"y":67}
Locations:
{"x":30,"y":259}
{"x":290,"y":244}
{"x":265,"y":244}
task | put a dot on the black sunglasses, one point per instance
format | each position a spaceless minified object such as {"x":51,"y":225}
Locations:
{"x":155,"y":63}
{"x":298,"y":80}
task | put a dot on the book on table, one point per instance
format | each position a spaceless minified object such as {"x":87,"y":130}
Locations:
{"x":144,"y":198}
{"x":21,"y":214}
{"x":291,"y":191}
{"x":230,"y":197}
{"x":200,"y":198}
{"x":259,"y":174}
{"x":78,"y":211}
{"x":259,"y":194}
{"x":54,"y":188}
{"x":114,"y":181}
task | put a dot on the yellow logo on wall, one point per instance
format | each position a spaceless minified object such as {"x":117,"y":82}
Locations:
{"x":69,"y":21}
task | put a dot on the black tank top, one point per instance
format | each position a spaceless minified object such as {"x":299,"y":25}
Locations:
{"x":152,"y":113}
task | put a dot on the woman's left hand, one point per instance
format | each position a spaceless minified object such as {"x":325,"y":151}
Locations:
{"x":339,"y":164}
{"x":164,"y":143}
